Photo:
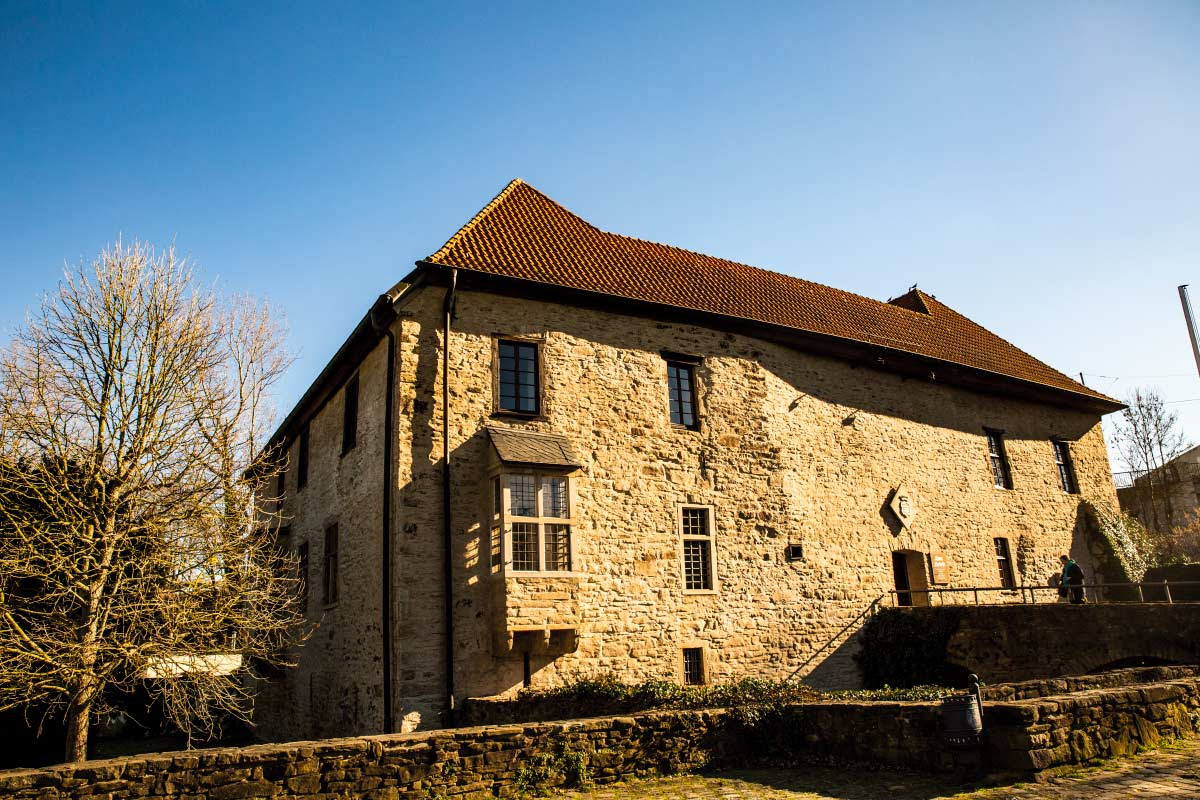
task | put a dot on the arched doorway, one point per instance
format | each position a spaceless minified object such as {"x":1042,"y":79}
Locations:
{"x":911,"y":578}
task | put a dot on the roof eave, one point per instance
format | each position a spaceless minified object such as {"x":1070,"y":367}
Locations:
{"x":366,"y":334}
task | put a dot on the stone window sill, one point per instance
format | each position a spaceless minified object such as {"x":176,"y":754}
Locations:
{"x":519,"y":416}
{"x":701,"y":591}
{"x":571,"y":575}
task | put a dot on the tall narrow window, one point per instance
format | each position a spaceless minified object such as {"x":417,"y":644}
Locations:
{"x":1004,"y":563}
{"x":302,"y":461}
{"x":520,"y":384}
{"x":693,"y":666}
{"x":681,"y":392}
{"x":1066,"y":469}
{"x":302,"y":568}
{"x":280,"y":486}
{"x":350,"y":415}
{"x":697,"y":549}
{"x":538,"y":521}
{"x":1001,"y":474}
{"x":331,"y":565}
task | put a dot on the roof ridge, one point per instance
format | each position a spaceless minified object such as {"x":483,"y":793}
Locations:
{"x":730,"y":261}
{"x":475,"y":220}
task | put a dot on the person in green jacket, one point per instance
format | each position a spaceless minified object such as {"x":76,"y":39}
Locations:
{"x":1072,"y":580}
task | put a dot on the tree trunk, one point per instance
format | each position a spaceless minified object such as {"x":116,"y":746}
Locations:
{"x":78,"y":714}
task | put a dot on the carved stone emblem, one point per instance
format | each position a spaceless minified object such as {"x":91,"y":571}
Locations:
{"x":902,"y":506}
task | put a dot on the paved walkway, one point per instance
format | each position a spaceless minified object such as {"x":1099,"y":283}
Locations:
{"x":1172,"y":772}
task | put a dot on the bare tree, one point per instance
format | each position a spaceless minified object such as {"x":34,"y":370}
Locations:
{"x":132,"y":551}
{"x":1147,"y":437}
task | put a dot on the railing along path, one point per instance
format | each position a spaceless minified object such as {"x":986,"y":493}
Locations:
{"x":1093,"y":593}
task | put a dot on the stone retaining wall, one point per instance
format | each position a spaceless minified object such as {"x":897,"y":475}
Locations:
{"x":1023,"y":735}
{"x":1102,"y":723}
{"x":1023,"y":642}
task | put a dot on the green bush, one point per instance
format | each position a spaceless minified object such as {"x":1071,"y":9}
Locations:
{"x":748,"y":698}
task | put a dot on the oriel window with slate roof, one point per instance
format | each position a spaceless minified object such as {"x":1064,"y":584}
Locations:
{"x":532,"y":512}
{"x":518,"y":377}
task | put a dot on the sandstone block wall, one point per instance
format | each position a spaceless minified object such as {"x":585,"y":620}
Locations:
{"x":792,"y":449}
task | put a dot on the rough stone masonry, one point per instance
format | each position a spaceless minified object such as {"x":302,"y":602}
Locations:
{"x":794,"y":459}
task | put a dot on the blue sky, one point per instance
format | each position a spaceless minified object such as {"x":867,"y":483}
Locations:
{"x":1034,"y":165}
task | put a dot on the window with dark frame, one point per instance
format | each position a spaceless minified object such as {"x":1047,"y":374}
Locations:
{"x":1001,"y":473}
{"x":681,"y":392}
{"x":1066,"y":468}
{"x":302,"y":569}
{"x":350,"y":415}
{"x":331,"y":565}
{"x":520,"y":383}
{"x":302,"y":460}
{"x":693,"y":666}
{"x":697,"y":549}
{"x":280,"y":486}
{"x":1004,"y":563}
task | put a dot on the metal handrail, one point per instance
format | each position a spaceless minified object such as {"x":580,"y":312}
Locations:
{"x":866,"y":612}
{"x":1098,"y":588}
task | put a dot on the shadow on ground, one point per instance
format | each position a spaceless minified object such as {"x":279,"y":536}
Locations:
{"x":843,"y":783}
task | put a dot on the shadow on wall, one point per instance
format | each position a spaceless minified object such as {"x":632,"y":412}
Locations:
{"x":1005,"y":643}
{"x":837,"y":668}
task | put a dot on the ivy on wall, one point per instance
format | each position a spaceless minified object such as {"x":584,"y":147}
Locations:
{"x":1127,"y":551}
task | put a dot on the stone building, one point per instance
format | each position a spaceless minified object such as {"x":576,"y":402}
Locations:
{"x":1165,"y":497}
{"x":554,"y":451}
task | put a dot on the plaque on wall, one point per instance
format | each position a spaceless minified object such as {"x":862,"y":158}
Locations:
{"x":902,"y":506}
{"x":938,"y":568}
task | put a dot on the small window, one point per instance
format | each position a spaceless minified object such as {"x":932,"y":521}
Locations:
{"x":302,"y":569}
{"x":681,"y":393}
{"x":697,"y":549}
{"x":519,"y":379}
{"x":1004,"y":563}
{"x":1001,"y":475}
{"x":350,"y":415}
{"x":693,"y":666}
{"x":538,"y":521}
{"x":1066,"y":468}
{"x":795,"y":552}
{"x":302,"y":461}
{"x":331,"y":565}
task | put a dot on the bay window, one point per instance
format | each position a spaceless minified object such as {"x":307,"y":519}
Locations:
{"x":531,"y":523}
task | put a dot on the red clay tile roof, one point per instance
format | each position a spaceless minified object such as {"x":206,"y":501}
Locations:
{"x":524,"y":234}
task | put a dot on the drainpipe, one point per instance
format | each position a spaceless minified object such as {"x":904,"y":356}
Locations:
{"x":447,"y":539}
{"x":381,"y":321}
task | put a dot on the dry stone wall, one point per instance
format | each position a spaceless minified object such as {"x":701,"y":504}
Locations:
{"x":506,"y":760}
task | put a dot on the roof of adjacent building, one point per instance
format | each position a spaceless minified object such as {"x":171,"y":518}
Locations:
{"x":523,"y":234}
{"x":526,"y":447}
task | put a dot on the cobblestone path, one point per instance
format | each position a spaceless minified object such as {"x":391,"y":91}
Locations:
{"x":1172,"y":772}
